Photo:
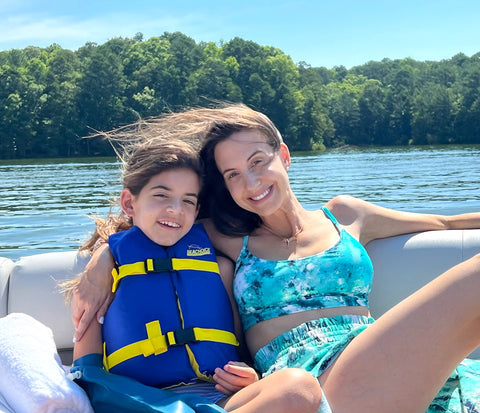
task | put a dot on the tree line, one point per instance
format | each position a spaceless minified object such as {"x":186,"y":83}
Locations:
{"x":52,"y":97}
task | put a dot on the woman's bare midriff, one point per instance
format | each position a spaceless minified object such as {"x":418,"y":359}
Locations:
{"x":260,"y":334}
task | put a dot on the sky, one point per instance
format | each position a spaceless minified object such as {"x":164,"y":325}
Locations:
{"x":319,"y":32}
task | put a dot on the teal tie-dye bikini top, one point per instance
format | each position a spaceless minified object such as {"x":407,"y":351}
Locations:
{"x":339,"y":276}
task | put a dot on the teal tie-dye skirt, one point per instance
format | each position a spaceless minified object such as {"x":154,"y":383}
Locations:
{"x":461,"y":392}
{"x":314,"y":345}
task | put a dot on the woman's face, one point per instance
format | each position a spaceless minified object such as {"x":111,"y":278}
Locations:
{"x":255,"y":175}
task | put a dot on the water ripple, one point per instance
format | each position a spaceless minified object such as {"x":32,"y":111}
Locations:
{"x":45,"y":206}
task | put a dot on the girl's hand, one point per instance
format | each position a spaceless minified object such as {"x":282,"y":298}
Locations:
{"x":233,"y":377}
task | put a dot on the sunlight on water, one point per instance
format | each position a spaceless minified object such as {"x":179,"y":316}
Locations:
{"x":44,"y":206}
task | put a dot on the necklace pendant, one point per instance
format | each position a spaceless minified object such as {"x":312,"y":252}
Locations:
{"x":287,"y":242}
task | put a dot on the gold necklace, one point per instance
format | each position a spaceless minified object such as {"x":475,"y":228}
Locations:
{"x":285,"y":240}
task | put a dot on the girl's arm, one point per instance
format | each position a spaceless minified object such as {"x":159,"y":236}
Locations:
{"x":93,"y":293}
{"x":367,"y":221}
{"x":91,"y":342}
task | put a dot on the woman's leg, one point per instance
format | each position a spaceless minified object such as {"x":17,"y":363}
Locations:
{"x":399,"y":363}
{"x":288,"y":391}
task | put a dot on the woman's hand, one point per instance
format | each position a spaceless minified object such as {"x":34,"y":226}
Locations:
{"x":93,"y":293}
{"x":233,"y":377}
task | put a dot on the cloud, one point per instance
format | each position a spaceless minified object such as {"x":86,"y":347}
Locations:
{"x":41,"y":30}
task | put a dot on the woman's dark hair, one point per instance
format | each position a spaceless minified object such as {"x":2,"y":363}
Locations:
{"x":216,"y":201}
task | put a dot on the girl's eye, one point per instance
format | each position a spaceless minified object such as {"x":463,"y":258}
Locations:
{"x":160,"y":195}
{"x":190,"y":202}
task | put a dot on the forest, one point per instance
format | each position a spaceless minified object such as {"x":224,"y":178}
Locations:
{"x":51,"y":98}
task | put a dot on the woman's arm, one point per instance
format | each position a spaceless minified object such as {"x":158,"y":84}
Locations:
{"x":226,"y":272}
{"x":367,"y":221}
{"x":93,"y":293}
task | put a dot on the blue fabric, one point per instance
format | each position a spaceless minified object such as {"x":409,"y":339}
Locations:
{"x":339,"y":276}
{"x":112,"y":393}
{"x":177,"y":300}
{"x":311,"y":346}
{"x":324,"y":406}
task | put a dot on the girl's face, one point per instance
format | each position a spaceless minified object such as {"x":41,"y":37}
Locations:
{"x":166,"y":207}
{"x":255,"y":175}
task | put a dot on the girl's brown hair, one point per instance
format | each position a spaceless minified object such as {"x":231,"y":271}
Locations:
{"x":140,"y":162}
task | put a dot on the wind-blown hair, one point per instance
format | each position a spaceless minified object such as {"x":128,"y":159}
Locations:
{"x":203,"y":129}
{"x":140,"y":162}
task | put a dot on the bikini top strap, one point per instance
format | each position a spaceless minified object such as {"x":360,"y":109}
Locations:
{"x":245,"y":241}
{"x":331,"y":217}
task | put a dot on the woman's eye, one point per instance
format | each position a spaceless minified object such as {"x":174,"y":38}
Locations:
{"x":232,"y":175}
{"x":160,"y":195}
{"x":190,"y":202}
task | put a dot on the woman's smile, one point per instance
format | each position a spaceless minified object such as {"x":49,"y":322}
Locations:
{"x":263,"y":194}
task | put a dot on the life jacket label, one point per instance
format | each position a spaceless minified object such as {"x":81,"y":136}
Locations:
{"x":196,"y":251}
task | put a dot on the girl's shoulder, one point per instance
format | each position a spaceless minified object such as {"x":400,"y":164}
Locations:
{"x":229,"y":246}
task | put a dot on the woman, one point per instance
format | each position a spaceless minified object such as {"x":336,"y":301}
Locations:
{"x":306,"y":302}
{"x":159,"y":200}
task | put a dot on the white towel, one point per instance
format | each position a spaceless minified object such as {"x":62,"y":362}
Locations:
{"x":32,"y":379}
{"x":324,"y":406}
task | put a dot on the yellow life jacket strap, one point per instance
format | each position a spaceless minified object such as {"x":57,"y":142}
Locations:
{"x":151,"y":265}
{"x":158,"y":343}
{"x":196,"y":367}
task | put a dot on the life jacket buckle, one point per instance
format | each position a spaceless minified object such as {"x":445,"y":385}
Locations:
{"x":158,"y":265}
{"x":184,"y":336}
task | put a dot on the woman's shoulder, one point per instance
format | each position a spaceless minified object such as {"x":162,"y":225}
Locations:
{"x":351,"y":213}
{"x":345,"y":207}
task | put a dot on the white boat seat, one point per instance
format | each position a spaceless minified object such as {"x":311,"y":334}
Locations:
{"x":402,"y":265}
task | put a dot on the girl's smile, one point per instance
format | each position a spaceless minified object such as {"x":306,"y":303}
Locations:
{"x":166,"y":207}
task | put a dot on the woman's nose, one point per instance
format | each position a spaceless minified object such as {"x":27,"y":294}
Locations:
{"x":251,"y":179}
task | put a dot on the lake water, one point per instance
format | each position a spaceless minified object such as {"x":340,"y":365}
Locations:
{"x":45,"y":205}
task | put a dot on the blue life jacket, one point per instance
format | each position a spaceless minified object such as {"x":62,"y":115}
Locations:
{"x":170,"y":321}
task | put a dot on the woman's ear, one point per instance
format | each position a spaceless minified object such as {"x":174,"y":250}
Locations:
{"x":126,"y":202}
{"x":285,"y":155}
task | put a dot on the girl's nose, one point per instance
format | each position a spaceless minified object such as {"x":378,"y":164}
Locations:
{"x":174,"y":205}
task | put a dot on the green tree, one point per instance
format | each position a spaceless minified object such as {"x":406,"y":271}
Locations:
{"x":433,"y":113}
{"x":213,"y":79}
{"x":21,"y":100}
{"x":468,"y":86}
{"x":100,"y":101}
{"x":343,"y":109}
{"x":399,"y":96}
{"x":372,"y":114}
{"x":61,"y":126}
